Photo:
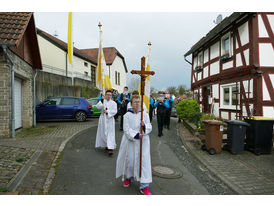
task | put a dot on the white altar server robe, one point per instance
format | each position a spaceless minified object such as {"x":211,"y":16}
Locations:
{"x":106,"y":139}
{"x":128,"y":159}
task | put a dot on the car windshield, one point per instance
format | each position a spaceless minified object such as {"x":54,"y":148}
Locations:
{"x":93,"y":101}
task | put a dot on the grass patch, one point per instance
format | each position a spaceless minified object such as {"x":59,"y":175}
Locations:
{"x":20,"y":160}
{"x":58,"y":161}
{"x":3,"y":189}
{"x":33,"y":131}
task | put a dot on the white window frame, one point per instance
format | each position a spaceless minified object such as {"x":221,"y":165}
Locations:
{"x":228,"y":35}
{"x":230,"y":106}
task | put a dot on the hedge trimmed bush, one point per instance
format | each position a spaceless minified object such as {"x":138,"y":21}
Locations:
{"x":186,"y":109}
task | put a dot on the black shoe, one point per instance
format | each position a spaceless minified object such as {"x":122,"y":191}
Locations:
{"x":159,"y":135}
{"x":110,"y":152}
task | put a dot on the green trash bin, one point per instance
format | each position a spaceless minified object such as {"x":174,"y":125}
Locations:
{"x":259,"y":135}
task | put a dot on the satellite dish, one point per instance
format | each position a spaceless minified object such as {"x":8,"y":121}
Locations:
{"x":55,"y":33}
{"x":219,"y":18}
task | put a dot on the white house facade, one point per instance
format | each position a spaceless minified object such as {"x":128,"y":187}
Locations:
{"x":55,"y":59}
{"x":116,"y":65}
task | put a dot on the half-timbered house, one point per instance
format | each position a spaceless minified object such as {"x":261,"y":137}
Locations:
{"x":233,"y":67}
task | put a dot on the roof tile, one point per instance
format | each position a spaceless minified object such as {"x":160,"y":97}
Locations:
{"x":12,"y":26}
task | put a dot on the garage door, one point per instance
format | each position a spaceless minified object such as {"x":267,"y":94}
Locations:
{"x":18,"y":103}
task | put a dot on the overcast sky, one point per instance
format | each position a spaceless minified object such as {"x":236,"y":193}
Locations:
{"x":171,"y":34}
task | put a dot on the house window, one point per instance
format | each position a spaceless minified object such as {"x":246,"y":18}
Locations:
{"x":92,"y":74}
{"x":86,"y":74}
{"x":225,"y":44}
{"x":200,"y":60}
{"x":118,"y":78}
{"x":85,"y":64}
{"x":229,"y":96}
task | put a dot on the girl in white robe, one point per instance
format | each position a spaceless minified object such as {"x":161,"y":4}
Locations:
{"x":128,"y":159}
{"x":106,"y":129}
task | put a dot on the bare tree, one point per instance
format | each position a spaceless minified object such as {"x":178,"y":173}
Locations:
{"x":172,"y":90}
{"x":181,"y":89}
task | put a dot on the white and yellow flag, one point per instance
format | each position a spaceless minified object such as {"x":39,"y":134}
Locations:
{"x":103,"y":80}
{"x":147,"y":84}
{"x":70,"y":45}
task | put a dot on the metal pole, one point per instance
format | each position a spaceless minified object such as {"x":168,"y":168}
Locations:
{"x":34,"y":98}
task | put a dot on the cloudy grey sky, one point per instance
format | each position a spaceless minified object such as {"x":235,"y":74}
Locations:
{"x":172,"y":35}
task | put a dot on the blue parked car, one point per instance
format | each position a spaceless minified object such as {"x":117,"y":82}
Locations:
{"x":64,"y":108}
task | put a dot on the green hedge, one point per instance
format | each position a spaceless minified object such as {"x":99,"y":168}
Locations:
{"x":187,"y":108}
{"x":89,"y":92}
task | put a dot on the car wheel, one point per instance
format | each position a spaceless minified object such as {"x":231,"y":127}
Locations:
{"x":80,"y":116}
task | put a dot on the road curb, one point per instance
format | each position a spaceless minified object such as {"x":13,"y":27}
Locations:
{"x":204,"y":162}
{"x":51,"y":173}
{"x":13,"y":184}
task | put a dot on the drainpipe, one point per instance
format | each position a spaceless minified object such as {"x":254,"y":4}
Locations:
{"x":34,"y":98}
{"x":12,"y":91}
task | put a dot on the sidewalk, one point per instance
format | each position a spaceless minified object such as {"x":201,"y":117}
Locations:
{"x":27,"y":165}
{"x":245,"y":173}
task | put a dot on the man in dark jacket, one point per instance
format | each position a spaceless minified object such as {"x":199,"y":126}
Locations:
{"x":161,"y":109}
{"x":168,"y":104}
{"x":123,"y":100}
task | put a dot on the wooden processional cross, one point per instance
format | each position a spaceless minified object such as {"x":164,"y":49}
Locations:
{"x":143,"y":74}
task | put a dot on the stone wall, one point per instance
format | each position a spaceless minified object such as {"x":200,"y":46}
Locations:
{"x":53,"y":85}
{"x":23,"y":71}
{"x":5,"y":96}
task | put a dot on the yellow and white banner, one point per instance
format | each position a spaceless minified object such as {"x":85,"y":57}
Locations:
{"x":103,"y":81}
{"x":70,"y":45}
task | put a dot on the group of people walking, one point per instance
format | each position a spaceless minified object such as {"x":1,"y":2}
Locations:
{"x":128,"y":160}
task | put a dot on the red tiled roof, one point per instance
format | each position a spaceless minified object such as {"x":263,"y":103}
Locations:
{"x":63,"y":45}
{"x":13,"y":26}
{"x":109,"y":52}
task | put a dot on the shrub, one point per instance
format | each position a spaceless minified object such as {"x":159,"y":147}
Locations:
{"x":206,"y":116}
{"x":89,"y":92}
{"x":186,"y":108}
{"x":195,"y":118}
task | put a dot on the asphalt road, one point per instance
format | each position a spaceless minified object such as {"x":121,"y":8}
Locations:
{"x":85,"y":170}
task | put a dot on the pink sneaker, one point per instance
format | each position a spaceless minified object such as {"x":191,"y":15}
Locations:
{"x":126,"y":182}
{"x":145,"y":191}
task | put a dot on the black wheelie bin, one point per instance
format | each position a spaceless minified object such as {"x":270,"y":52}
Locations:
{"x":236,"y":131}
{"x":259,"y":134}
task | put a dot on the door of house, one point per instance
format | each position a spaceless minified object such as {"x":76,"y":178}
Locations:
{"x":206,"y":95}
{"x":18,"y":103}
